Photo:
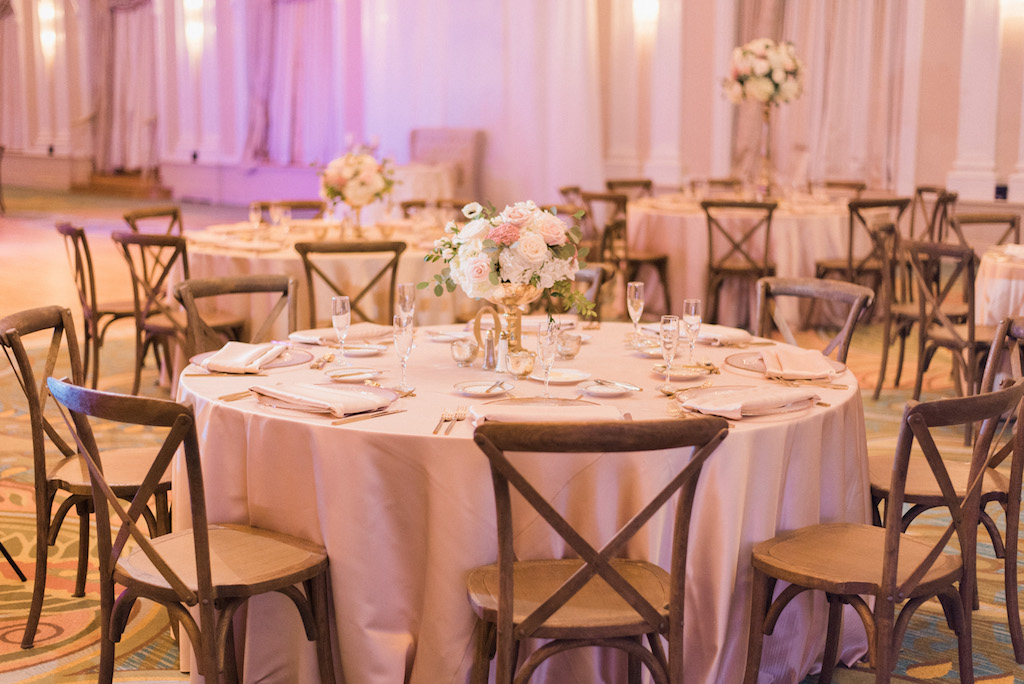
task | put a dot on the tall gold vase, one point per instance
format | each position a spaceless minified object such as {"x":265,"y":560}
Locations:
{"x":512,"y":298}
{"x":764,"y":182}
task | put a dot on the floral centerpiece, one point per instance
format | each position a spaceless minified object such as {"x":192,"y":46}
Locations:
{"x":356,"y":179}
{"x":769,"y":73}
{"x":511,"y":257}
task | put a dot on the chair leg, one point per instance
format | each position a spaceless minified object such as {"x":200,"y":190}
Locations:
{"x":633,"y":666}
{"x":483,"y":650}
{"x":106,"y":664}
{"x":83,"y":548}
{"x":39,"y":579}
{"x":886,"y":343}
{"x":318,"y":592}
{"x":755,"y":635}
{"x":835,"y":626}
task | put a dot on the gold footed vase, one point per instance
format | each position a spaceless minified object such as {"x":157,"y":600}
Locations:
{"x":511,"y":298}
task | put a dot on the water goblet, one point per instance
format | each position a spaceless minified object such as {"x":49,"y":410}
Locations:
{"x":341,"y":317}
{"x":255,"y":214}
{"x":519,"y":363}
{"x":692,"y":315}
{"x":405,"y":299}
{"x":547,"y":342}
{"x":464,"y":351}
{"x":568,"y":345}
{"x":635,"y":306}
{"x":276,"y":212}
{"x":404,"y":336}
{"x":669,"y":338}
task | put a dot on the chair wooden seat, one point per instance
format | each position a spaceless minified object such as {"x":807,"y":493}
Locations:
{"x":951,"y":338}
{"x":595,"y":612}
{"x":922,"y":488}
{"x":244,"y":561}
{"x":845,"y":558}
{"x":124,"y":469}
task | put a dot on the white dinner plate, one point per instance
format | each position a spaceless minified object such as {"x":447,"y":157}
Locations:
{"x":652,"y":352}
{"x":596,"y":390}
{"x":381,"y":393}
{"x":541,"y":401}
{"x":364,"y":349}
{"x":752,"y":361}
{"x":562,"y":376}
{"x":479,"y":388}
{"x":289,"y":357}
{"x":681,"y":372}
{"x":351,"y":374}
{"x":448,"y":335}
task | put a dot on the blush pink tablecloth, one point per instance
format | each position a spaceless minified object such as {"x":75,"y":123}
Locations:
{"x":405,"y":513}
{"x":999,"y":287}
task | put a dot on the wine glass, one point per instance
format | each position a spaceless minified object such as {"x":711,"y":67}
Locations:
{"x":669,"y":338}
{"x":635,"y":305}
{"x":691,"y":322}
{"x":255,"y":214}
{"x":341,"y":317}
{"x":405,"y":300}
{"x":404,"y":336}
{"x":276,"y":214}
{"x":547,"y":343}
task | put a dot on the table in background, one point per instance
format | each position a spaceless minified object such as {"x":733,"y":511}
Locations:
{"x":801,"y":233}
{"x":999,"y":285}
{"x":404,"y":514}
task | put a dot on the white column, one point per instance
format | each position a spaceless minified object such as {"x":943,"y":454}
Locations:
{"x":1015,"y":184}
{"x":664,"y":164}
{"x":973,"y":174}
{"x":722,"y":111}
{"x":623,"y":125}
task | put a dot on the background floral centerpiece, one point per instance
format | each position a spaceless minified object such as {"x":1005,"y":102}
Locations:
{"x":511,"y":257}
{"x":357,"y":179}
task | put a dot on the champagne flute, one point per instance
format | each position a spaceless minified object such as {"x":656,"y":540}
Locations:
{"x":341,"y":317}
{"x":404,"y":335}
{"x":547,"y":337}
{"x":635,"y":306}
{"x":255,"y":214}
{"x":405,"y":300}
{"x":669,"y":338}
{"x":276,"y":214}
{"x":691,"y":322}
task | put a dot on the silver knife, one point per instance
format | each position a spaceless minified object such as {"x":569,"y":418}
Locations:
{"x":366,"y":416}
{"x":617,"y":383}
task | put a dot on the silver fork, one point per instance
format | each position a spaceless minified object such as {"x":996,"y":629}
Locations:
{"x":458,"y":415}
{"x":446,"y":415}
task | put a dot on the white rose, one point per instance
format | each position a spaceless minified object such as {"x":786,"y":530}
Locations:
{"x":761,"y":67}
{"x":734,"y":91}
{"x":358,"y":194}
{"x":759,"y":89}
{"x":472,"y":210}
{"x":474,"y":230}
{"x":532,"y":247}
{"x":789,"y":90}
{"x":548,"y":226}
{"x":518,"y":213}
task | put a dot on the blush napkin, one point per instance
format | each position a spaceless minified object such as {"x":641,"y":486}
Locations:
{"x":736,"y":402}
{"x":543,"y":413}
{"x":723,"y":334}
{"x":339,"y":402}
{"x":796,"y":364}
{"x":242,"y":357}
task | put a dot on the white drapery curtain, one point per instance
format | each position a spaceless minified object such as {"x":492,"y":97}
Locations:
{"x":12,"y":93}
{"x":846,"y":125}
{"x":124,"y":83}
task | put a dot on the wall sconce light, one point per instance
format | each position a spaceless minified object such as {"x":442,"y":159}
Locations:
{"x":47,"y":30}
{"x":193,"y":15}
{"x":645,"y":15}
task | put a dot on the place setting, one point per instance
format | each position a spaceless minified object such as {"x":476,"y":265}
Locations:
{"x":243,"y":358}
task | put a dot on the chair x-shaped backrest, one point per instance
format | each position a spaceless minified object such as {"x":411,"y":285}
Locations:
{"x":83,"y":403}
{"x":150,"y":276}
{"x":80,"y":259}
{"x":918,"y":421}
{"x":880,"y":231}
{"x":496,"y":439}
{"x":744,"y":235}
{"x":307,"y":250}
{"x":941,"y":272}
{"x":932,"y":207}
{"x":1008,"y":224}
{"x":600,"y":224}
{"x":201,"y":337}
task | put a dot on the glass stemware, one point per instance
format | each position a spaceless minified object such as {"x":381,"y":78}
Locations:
{"x":405,"y":300}
{"x":635,"y":306}
{"x":669,"y":338}
{"x":341,"y":317}
{"x":255,"y":215}
{"x":405,"y":334}
{"x":692,"y":316}
{"x":547,"y":343}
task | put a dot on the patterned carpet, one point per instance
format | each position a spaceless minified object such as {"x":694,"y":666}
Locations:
{"x":66,"y":647}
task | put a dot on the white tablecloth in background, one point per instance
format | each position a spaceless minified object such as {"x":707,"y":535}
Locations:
{"x":404,"y":514}
{"x":998,"y":287}
{"x":801,"y":233}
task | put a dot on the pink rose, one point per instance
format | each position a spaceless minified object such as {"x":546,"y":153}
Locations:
{"x":550,"y":227}
{"x":477,"y":269}
{"x":518,"y":213}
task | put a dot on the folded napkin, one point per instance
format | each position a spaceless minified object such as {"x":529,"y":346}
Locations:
{"x":241,"y":357}
{"x":736,"y":402}
{"x":796,"y":364}
{"x":723,"y":335}
{"x":543,"y":413}
{"x":338,"y":401}
{"x":357,"y":332}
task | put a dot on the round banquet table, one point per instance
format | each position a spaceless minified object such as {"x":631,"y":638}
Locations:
{"x":405,"y":513}
{"x":801,"y":232}
{"x":999,"y":285}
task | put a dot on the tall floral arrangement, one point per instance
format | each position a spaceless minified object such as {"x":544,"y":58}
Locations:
{"x":521,"y":245}
{"x":356,"y":178}
{"x":765,"y":71}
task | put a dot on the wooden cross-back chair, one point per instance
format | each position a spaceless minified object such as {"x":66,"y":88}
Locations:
{"x":739,"y":236}
{"x":305,"y":208}
{"x":67,"y":474}
{"x":571,"y":194}
{"x":999,"y":228}
{"x":875,"y":264}
{"x":631,"y":187}
{"x":597,"y":598}
{"x":723,"y":187}
{"x":851,"y":561}
{"x":856,"y":297}
{"x":931,"y":210}
{"x":923,"y":492}
{"x":96,"y":315}
{"x":160,"y":220}
{"x":388,"y":273}
{"x":211,"y":568}
{"x":202,"y":337}
{"x":943,"y":276}
{"x":447,"y":209}
{"x":152,"y":261}
{"x":852,"y":189}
